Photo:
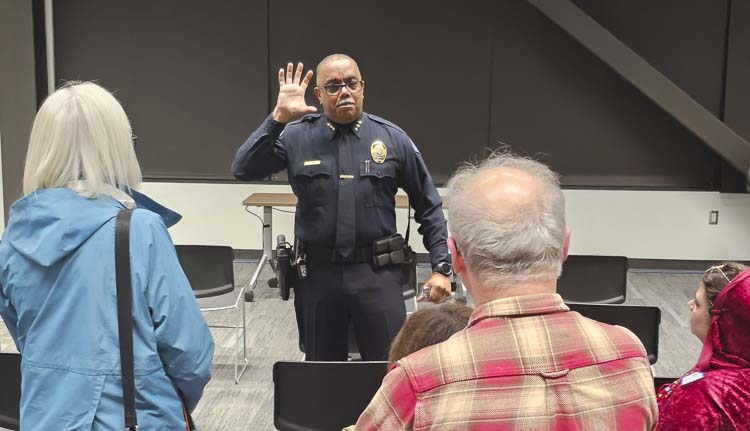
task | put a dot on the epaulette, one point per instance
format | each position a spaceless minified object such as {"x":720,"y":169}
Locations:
{"x":383,"y":121}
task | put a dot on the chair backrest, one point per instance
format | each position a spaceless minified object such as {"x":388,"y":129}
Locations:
{"x":209,"y":268}
{"x":642,"y":320}
{"x":10,"y":390}
{"x":314,"y":396}
{"x":594,"y":279}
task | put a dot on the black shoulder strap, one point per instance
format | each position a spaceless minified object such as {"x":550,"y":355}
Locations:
{"x":408,"y":224}
{"x":125,"y":316}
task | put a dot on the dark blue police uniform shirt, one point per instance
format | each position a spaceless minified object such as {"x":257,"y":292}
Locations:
{"x":308,"y":149}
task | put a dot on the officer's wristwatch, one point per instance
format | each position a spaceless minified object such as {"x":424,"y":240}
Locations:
{"x":444,"y":268}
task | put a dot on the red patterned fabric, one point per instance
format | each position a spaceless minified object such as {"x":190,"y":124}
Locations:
{"x":719,"y":398}
{"x":523,"y":363}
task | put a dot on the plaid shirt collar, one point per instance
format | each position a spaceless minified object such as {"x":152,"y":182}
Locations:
{"x":518,"y":306}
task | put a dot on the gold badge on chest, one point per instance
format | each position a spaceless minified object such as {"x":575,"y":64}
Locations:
{"x":378,"y":151}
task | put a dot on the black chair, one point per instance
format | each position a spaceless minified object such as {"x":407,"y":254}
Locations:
{"x":210,"y":271}
{"x":594,"y":279}
{"x":642,"y":320}
{"x":10,"y":390}
{"x":209,"y":268}
{"x":310,"y":396}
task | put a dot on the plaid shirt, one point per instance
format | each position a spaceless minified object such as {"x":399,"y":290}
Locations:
{"x":522,"y":363}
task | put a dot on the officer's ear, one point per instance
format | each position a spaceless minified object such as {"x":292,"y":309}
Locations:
{"x":317,"y":92}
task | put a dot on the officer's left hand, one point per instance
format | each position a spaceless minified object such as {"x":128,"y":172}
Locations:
{"x":440,"y":287}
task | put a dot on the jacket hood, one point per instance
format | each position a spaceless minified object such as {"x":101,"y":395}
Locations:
{"x":727,"y":344}
{"x":49,"y":224}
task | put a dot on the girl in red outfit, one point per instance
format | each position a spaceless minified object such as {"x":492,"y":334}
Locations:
{"x":715,"y":394}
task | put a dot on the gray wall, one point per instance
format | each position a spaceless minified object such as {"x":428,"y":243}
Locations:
{"x":459,"y":76}
{"x":192,"y":75}
{"x":17,"y":92}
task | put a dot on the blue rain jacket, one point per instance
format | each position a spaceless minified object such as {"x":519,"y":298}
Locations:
{"x":58,"y":300}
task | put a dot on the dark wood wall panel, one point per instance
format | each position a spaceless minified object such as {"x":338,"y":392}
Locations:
{"x":737,"y":90}
{"x":737,"y":108}
{"x":459,"y":76}
{"x":554,"y":98}
{"x":426,"y":64}
{"x":685,"y":41}
{"x":191,"y":74}
{"x":17,"y":94}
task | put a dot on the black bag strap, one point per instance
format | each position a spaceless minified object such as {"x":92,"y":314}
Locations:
{"x":125,"y":316}
{"x":408,"y":225}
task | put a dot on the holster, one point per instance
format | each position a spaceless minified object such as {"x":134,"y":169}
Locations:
{"x":300,"y":259}
{"x":286,"y":275}
{"x":409,"y":269}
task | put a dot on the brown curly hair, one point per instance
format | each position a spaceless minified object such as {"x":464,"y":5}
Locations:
{"x":718,"y":276}
{"x":427,"y":327}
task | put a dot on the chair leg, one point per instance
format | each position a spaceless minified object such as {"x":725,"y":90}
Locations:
{"x":240,"y":332}
{"x":244,"y":335}
{"x":236,"y":340}
{"x":237,"y":331}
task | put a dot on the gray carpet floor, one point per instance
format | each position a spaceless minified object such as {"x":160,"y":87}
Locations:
{"x":272,"y":336}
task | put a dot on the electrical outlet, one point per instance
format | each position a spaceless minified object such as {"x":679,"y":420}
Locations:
{"x":713,"y":217}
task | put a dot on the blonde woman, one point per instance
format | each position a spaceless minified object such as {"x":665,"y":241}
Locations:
{"x":57,"y":270}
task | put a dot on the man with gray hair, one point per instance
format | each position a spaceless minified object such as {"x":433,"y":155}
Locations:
{"x":525,"y":361}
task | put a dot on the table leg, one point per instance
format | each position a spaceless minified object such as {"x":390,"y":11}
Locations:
{"x":268,"y":244}
{"x":268,"y":235}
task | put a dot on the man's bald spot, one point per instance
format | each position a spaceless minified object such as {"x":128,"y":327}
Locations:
{"x":506,"y":189}
{"x":332,"y":57}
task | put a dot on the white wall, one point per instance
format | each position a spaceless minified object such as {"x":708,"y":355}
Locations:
{"x":636,"y":224}
{"x":659,"y":225}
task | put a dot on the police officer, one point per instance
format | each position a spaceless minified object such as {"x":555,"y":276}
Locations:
{"x":345,"y":167}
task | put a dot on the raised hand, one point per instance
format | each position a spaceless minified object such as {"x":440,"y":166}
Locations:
{"x":290,"y":104}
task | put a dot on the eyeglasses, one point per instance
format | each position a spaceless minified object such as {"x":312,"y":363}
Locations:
{"x":354,"y":86}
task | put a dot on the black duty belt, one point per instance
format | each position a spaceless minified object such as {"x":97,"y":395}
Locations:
{"x":330,"y":255}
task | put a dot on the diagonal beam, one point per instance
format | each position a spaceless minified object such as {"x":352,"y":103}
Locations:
{"x":657,"y":87}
